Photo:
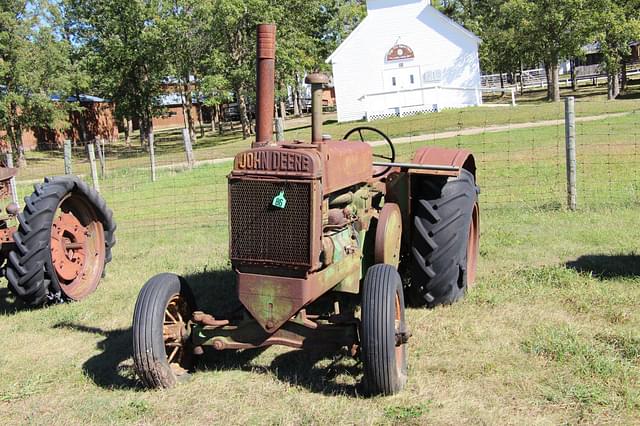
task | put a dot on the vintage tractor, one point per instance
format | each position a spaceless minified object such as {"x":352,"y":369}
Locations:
{"x":318,"y":233}
{"x":63,"y":241}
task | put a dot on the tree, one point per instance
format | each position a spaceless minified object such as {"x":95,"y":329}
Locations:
{"x":126,"y":50}
{"x":78,"y":74}
{"x":233,"y":26}
{"x":33,"y":66}
{"x":617,"y":25}
{"x":503,"y":48}
{"x":186,"y":46}
{"x":551,"y":31}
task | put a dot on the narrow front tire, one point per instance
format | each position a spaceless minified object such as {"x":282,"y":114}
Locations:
{"x":384,"y":331}
{"x":162,"y":352}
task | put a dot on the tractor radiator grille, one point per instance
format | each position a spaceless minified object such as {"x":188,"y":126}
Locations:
{"x":264,"y":234}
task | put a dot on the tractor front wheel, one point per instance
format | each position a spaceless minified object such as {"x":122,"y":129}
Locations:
{"x":162,"y":352}
{"x":384,"y":331}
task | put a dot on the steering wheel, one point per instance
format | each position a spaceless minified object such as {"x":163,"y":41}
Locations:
{"x":391,"y":158}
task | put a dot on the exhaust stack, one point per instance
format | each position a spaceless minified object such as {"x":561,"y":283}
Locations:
{"x":265,"y":81}
{"x":317,"y":82}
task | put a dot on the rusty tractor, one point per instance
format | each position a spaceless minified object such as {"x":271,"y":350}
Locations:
{"x":62,"y":242}
{"x":318,"y":234}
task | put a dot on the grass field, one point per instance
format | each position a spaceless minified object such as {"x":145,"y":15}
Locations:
{"x":550,"y":334}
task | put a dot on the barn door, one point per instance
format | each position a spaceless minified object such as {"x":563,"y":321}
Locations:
{"x":404,"y":81}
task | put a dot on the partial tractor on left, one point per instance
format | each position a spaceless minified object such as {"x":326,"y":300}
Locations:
{"x":56,"y":249}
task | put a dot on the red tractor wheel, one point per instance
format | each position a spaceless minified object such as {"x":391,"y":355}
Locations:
{"x":62,"y":244}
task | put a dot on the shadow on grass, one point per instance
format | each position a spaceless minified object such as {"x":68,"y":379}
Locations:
{"x":629,"y":95}
{"x":106,"y":369}
{"x":300,"y":368}
{"x":297,"y":367}
{"x":606,"y":266}
{"x":10,"y":304}
{"x":215,"y":293}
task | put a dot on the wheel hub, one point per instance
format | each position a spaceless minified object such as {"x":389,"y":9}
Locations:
{"x":68,"y":246}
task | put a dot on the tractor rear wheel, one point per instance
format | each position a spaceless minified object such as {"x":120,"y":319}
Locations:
{"x":444,"y":241}
{"x":162,"y":352}
{"x":63,"y":242}
{"x":384,"y":332}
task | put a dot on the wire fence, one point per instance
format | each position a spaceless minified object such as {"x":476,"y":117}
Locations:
{"x":520,"y":156}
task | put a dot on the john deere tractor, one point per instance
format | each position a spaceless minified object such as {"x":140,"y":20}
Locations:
{"x":318,"y":233}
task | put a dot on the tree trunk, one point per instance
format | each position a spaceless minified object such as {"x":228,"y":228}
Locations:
{"x":300,"y":103}
{"x":553,"y":81}
{"x":555,"y":78}
{"x":547,"y":71}
{"x":242,"y":106}
{"x":128,"y":129}
{"x":218,"y":112}
{"x":624,"y":76}
{"x":81,"y":120}
{"x":214,"y":116}
{"x":574,"y":82}
{"x":14,"y":131}
{"x":613,"y":85}
{"x":143,"y":131}
{"x":199,"y":108}
{"x":188,"y":105}
{"x":296,"y":105}
{"x":521,"y":79}
{"x":501,"y":84}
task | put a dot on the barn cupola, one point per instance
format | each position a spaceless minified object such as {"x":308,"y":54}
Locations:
{"x":374,"y":6}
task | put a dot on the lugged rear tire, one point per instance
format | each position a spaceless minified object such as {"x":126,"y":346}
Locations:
{"x":444,"y":240}
{"x":162,"y":354}
{"x":31,"y":270}
{"x":384,"y":331}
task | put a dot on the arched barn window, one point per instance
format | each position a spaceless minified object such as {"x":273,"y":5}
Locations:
{"x":400,"y":52}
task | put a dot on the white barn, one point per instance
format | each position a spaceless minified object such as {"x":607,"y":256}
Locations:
{"x":405,"y":58}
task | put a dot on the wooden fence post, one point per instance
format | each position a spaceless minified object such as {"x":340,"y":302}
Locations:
{"x":187,"y":147}
{"x":12,"y":181}
{"x":67,"y":157}
{"x":101,"y":158}
{"x":279,"y":129}
{"x":570,"y":140}
{"x":152,"y":156}
{"x":92,"y":164}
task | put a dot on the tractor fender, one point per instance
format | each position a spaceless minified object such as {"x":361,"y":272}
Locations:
{"x":460,"y":158}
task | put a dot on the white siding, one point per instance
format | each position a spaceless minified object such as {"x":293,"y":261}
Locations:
{"x":441,"y":50}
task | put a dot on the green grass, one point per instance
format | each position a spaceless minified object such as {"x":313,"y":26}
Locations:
{"x":548,"y":335}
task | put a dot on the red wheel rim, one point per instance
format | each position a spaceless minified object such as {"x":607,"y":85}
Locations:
{"x":175,"y":333}
{"x":398,"y":329}
{"x":77,"y":247}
